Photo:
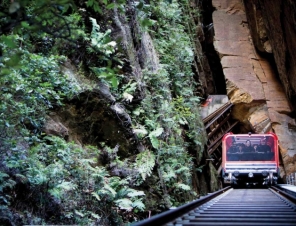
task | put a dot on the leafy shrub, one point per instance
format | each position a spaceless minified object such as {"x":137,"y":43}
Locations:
{"x":30,"y":89}
{"x":86,"y":193}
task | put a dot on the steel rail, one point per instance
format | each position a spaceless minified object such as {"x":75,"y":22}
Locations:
{"x":218,"y":116}
{"x":217,"y":112}
{"x":221,"y":136}
{"x":241,"y":207}
{"x":171,"y":215}
{"x":288,"y":196}
{"x":217,"y":128}
{"x":216,"y":125}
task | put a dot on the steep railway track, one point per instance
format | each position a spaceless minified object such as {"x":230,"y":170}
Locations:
{"x":228,"y":206}
{"x":234,"y":207}
{"x":217,"y":124}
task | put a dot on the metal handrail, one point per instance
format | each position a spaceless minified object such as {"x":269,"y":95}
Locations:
{"x":171,"y":215}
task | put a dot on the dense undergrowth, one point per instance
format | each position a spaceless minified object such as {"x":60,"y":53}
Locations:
{"x":48,"y":180}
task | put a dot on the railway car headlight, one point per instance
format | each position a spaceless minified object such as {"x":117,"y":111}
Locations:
{"x":264,"y":173}
{"x":250,"y":174}
{"x":236,"y":173}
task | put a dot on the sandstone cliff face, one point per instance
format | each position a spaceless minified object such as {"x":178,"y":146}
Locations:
{"x":272,"y":25}
{"x":252,"y":83}
{"x":273,"y":29}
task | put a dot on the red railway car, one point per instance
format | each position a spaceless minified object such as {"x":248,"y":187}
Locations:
{"x":250,"y":159}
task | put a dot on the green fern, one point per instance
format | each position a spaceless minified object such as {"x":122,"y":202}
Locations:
{"x":133,"y":202}
{"x":183,"y":186}
{"x":94,"y":194}
{"x":124,"y":204}
{"x":101,"y":41}
{"x":134,"y":193}
{"x":139,"y":205}
{"x":169,"y":174}
{"x":2,"y":177}
{"x":5,"y":183}
{"x":108,"y":190}
{"x":21,"y":178}
{"x":153,"y":137}
{"x":145,"y":162}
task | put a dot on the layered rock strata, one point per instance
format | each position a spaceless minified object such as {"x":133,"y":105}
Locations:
{"x":273,"y":29}
{"x":252,"y":83}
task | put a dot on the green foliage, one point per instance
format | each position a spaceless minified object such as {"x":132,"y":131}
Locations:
{"x":145,"y":162}
{"x":180,"y":108}
{"x":63,"y":174}
{"x":169,"y":113}
{"x":38,"y":15}
{"x":72,"y":178}
{"x":95,"y":5}
{"x":30,"y":85}
{"x":153,"y":137}
{"x":101,"y":43}
{"x":5,"y":183}
{"x":28,"y":91}
{"x":132,"y":201}
{"x":106,"y":5}
{"x":107,"y":75}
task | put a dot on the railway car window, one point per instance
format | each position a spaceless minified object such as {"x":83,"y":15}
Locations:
{"x":250,"y":148}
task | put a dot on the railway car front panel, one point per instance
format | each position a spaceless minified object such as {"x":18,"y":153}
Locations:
{"x":250,"y":158}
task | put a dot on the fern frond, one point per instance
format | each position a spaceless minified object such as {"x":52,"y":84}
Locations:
{"x":94,"y":194}
{"x":182,"y":169}
{"x":96,"y":216}
{"x":3,"y":175}
{"x":101,"y":41}
{"x":139,"y":205}
{"x":169,"y":174}
{"x":10,"y":183}
{"x":183,"y":186}
{"x":122,"y":193}
{"x":125,"y":204}
{"x":134,"y":193}
{"x":145,"y":162}
{"x":78,"y":213}
{"x":107,"y":190}
{"x":67,"y":186}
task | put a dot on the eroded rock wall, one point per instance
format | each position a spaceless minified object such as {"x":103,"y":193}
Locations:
{"x":273,"y":29}
{"x":252,"y":83}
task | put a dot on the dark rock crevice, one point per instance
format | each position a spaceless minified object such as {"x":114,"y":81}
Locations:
{"x":210,"y":52}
